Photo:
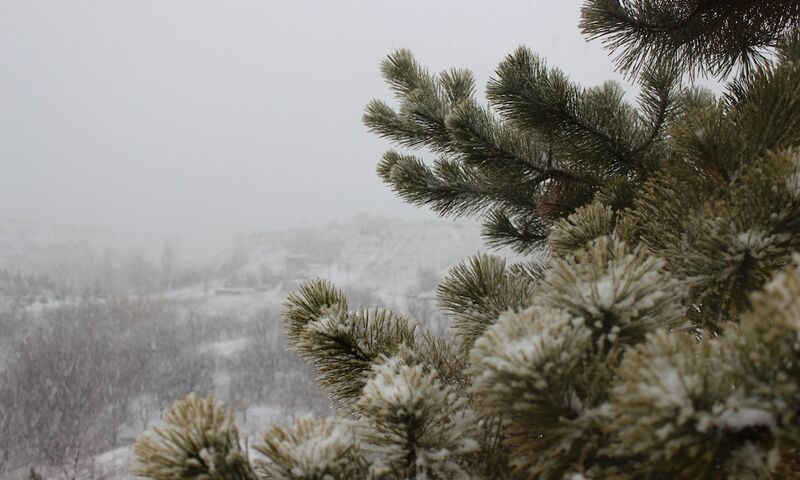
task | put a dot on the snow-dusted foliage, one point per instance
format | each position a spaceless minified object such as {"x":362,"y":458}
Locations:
{"x":312,"y":449}
{"x":416,"y":426}
{"x":526,"y":370}
{"x":619,"y":294}
{"x":198,"y":440}
{"x":655,"y":331}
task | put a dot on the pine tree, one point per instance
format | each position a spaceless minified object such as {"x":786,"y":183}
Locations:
{"x":656,"y":331}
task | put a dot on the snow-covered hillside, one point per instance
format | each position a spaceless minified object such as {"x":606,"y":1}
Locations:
{"x":207,"y":325}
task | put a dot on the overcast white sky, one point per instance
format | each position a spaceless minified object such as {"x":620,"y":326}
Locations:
{"x":202,"y":118}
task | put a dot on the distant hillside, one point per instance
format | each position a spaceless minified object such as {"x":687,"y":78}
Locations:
{"x":368,"y":252}
{"x":150,"y":327}
{"x":381,"y":255}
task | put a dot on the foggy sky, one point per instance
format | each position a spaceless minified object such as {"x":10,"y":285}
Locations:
{"x":201,"y":118}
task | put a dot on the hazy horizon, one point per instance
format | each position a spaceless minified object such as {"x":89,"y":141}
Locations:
{"x":200,"y":119}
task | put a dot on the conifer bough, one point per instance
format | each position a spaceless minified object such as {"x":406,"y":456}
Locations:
{"x":654,"y":333}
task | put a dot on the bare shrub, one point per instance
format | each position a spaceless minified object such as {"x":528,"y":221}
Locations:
{"x":69,"y":381}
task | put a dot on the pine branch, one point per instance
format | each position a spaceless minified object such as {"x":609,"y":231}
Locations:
{"x":732,"y":246}
{"x":443,"y":355}
{"x":198,"y":442}
{"x":413,"y":419}
{"x":382,"y":120}
{"x":760,"y":112}
{"x":668,"y":387}
{"x":658,"y":101}
{"x":618,"y":293}
{"x":310,"y":303}
{"x":488,"y":165}
{"x":765,"y":105}
{"x":313,"y":449}
{"x":713,"y":36}
{"x":582,"y":227}
{"x":477,"y":292}
{"x":458,"y":85}
{"x":592,"y":128}
{"x":452,"y":188}
{"x":487,"y":144}
{"x":421,"y":100}
{"x":524,"y":235}
{"x":344,"y":347}
{"x":704,"y":134}
{"x":525,"y":369}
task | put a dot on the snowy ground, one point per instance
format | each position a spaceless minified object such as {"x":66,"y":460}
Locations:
{"x":376,"y":261}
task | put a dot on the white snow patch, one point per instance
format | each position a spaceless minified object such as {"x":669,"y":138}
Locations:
{"x":605,"y":292}
{"x":671,"y":381}
{"x":741,"y":418}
